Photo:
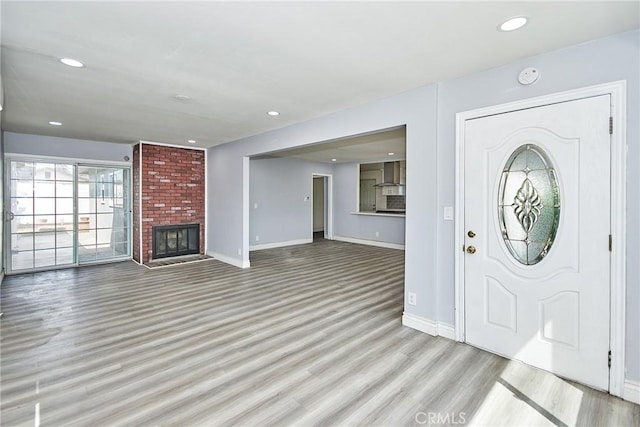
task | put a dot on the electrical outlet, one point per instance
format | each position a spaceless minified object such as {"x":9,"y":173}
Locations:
{"x":377,"y":234}
{"x":412,"y":298}
{"x":239,"y":251}
{"x":257,"y":238}
{"x":255,"y":206}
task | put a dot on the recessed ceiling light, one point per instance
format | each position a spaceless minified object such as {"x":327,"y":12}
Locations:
{"x":181,"y":97}
{"x":513,"y":24}
{"x":52,"y":123}
{"x":391,"y":154}
{"x":191,"y":141}
{"x":273,"y":113}
{"x":334,"y":160}
{"x":72,"y":62}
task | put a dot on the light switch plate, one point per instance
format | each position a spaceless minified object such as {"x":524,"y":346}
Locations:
{"x":448,"y":213}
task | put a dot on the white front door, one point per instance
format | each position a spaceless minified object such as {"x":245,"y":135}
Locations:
{"x":537,"y":225}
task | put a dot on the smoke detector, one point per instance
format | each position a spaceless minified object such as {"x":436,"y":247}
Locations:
{"x":529,"y":76}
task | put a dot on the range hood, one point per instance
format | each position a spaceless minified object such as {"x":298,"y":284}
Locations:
{"x":391,"y":175}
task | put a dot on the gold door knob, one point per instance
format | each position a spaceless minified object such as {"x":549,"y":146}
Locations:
{"x":471,"y":234}
{"x":471,"y":249}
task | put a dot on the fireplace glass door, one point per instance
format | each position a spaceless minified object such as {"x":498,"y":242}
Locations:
{"x":175,"y":240}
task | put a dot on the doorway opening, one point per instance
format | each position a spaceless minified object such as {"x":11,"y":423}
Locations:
{"x":321,"y":207}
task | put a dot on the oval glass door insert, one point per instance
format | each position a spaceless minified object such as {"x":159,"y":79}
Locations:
{"x":528,"y":204}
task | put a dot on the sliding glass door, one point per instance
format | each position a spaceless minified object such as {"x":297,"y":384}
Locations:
{"x":41,"y":216}
{"x":63,"y":214}
{"x":103,"y":213}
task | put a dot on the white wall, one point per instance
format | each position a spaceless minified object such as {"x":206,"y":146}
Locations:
{"x":363,"y":227}
{"x":51,"y":146}
{"x":280,"y":187}
{"x":429,"y":256}
{"x":599,"y":61}
{"x":228,"y":194}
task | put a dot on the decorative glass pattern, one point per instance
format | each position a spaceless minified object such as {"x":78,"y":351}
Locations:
{"x":528,"y":204}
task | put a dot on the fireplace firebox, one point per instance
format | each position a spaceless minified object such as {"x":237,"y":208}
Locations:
{"x":175,"y":240}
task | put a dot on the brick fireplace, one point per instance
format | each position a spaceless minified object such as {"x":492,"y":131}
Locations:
{"x":168,"y":192}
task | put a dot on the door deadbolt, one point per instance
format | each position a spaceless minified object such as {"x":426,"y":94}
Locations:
{"x":471,"y":234}
{"x":471,"y":249}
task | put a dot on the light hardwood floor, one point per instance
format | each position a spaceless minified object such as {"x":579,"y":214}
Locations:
{"x":310,"y":335}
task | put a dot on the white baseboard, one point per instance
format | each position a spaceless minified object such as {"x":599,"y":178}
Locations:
{"x":632,"y":391}
{"x":420,"y":324}
{"x":427,"y":326}
{"x":280,"y":244}
{"x":230,"y":260}
{"x":446,"y":330}
{"x":369,"y":242}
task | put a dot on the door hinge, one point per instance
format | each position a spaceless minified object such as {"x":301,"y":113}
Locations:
{"x":463,"y":248}
{"x":610,"y":243}
{"x":610,"y":125}
{"x":609,"y":358}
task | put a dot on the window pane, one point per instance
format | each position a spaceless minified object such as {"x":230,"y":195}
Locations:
{"x":21,"y":188}
{"x":64,"y":223}
{"x":22,"y":224}
{"x":44,"y":223}
{"x":86,"y":253}
{"x":86,"y":173}
{"x":64,"y":189}
{"x":21,"y":260}
{"x":86,"y":205}
{"x":45,"y":171}
{"x":45,"y":258}
{"x":64,"y":256}
{"x":21,"y":242}
{"x":22,"y":206}
{"x":64,"y":239}
{"x":529,"y":204}
{"x":45,"y":240}
{"x":64,"y":173}
{"x":105,"y":220}
{"x":84,"y":189}
{"x":44,"y":205}
{"x":104,"y":236}
{"x":44,"y":189}
{"x":64,"y":205}
{"x":87,"y":237}
{"x":104,"y":252}
{"x":22,"y":170}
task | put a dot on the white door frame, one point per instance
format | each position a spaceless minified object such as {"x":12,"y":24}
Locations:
{"x":618,"y":92}
{"x":328,"y":204}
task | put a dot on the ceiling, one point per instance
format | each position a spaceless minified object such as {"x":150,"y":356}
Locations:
{"x":209,"y":71}
{"x":380,"y":146}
